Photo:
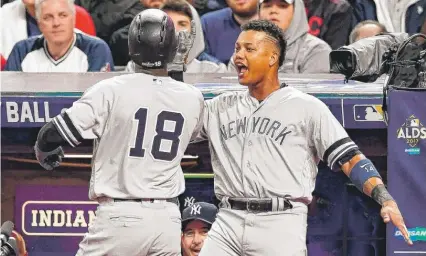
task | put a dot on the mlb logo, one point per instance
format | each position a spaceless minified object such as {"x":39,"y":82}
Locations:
{"x":415,"y":122}
{"x":368,"y":113}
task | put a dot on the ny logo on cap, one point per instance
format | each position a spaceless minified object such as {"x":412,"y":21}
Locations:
{"x":189,"y":201}
{"x":196,"y":209}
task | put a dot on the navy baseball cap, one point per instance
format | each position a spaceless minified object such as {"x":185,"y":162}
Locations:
{"x":199,"y":211}
{"x":287,"y":1}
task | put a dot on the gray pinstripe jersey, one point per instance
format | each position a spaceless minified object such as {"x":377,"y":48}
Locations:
{"x":141,"y":125}
{"x":272,"y":148}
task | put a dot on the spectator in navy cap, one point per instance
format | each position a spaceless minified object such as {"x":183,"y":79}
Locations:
{"x":197,"y":220}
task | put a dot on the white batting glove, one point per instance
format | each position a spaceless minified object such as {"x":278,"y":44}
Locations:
{"x":186,"y":41}
{"x":49,"y":160}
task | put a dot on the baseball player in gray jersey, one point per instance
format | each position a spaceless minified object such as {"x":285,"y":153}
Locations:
{"x":265,"y":145}
{"x":141,"y":129}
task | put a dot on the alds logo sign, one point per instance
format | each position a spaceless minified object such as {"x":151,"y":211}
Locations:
{"x":412,"y":131}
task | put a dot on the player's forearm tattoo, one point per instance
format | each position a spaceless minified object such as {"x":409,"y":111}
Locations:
{"x":380,"y":194}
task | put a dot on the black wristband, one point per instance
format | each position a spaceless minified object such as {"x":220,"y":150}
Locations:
{"x":380,"y":194}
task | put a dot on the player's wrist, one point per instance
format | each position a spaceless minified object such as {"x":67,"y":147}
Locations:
{"x":382,"y":196}
{"x":390,"y":202}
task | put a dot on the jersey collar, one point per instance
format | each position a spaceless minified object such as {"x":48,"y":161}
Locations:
{"x":258,"y":104}
{"x":58,"y":61}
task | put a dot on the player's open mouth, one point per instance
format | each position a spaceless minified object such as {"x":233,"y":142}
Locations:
{"x":241,"y":68}
{"x":196,"y":252}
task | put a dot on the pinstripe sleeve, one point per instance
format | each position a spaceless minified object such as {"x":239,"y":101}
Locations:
{"x":87,"y":116}
{"x":330,"y":139}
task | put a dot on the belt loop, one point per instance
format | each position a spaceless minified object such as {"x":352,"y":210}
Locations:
{"x":224,"y":203}
{"x":280,"y":204}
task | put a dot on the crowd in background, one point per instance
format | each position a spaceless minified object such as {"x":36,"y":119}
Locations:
{"x":98,"y":30}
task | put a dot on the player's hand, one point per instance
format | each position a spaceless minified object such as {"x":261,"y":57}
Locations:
{"x":186,"y":41}
{"x":390,"y":213}
{"x":49,"y":160}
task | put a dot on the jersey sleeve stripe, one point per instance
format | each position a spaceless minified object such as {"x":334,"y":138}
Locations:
{"x":341,"y":153}
{"x":335,"y":146}
{"x":61,"y":131}
{"x":71,"y":127}
{"x":338,"y":151}
{"x":67,"y":129}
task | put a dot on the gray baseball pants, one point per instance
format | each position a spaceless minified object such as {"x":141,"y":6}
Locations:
{"x":241,"y":233}
{"x":134,"y":229}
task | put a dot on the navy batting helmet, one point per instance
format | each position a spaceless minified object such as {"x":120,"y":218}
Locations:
{"x":152,"y":39}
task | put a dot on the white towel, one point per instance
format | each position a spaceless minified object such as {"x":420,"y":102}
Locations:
{"x":13,"y":26}
{"x":383,"y":14}
{"x":387,"y":14}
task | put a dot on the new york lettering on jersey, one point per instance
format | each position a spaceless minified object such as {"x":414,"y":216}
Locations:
{"x":261,"y":125}
{"x":276,"y":135}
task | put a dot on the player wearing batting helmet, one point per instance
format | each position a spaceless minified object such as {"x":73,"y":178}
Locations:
{"x":152,"y":40}
{"x":266,"y":143}
{"x":141,"y":129}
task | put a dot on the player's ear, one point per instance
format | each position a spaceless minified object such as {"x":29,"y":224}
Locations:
{"x":273,"y":58}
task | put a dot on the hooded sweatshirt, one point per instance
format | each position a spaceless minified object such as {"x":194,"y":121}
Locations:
{"x":194,"y":65}
{"x":305,"y":52}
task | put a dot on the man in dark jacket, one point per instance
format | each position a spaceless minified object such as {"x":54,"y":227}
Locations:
{"x":112,"y":20}
{"x":221,"y":28}
{"x":109,"y":16}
